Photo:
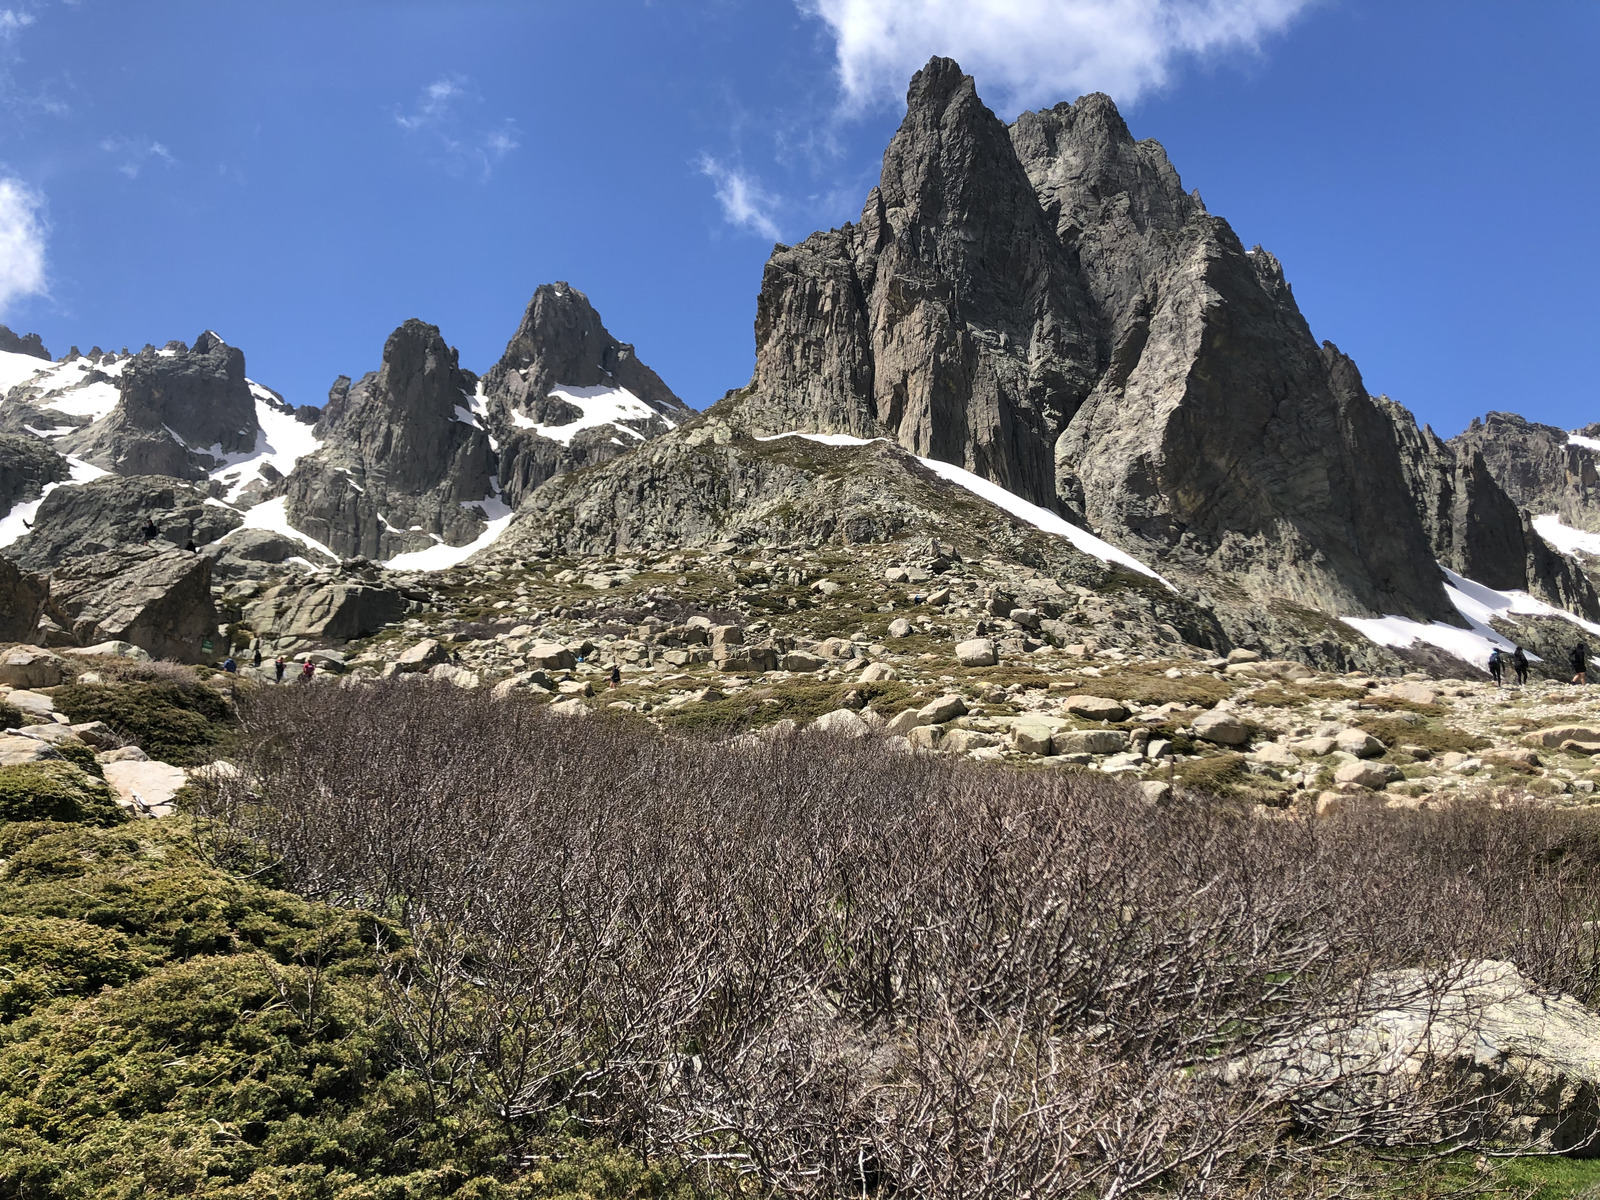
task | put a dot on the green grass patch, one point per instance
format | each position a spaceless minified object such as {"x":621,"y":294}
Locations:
{"x":185,"y":725}
{"x":56,"y":791}
{"x":1394,"y":732}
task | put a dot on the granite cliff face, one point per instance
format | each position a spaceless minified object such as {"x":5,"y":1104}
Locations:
{"x":179,"y":411}
{"x":566,"y":394}
{"x":1540,"y":467}
{"x":1044,"y":305}
{"x":403,"y":463}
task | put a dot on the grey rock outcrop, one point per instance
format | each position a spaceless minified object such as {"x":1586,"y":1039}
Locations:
{"x":254,"y":553}
{"x":292,"y":613}
{"x":112,"y":511}
{"x":29,"y":343}
{"x":1045,"y":305}
{"x":1538,"y":466}
{"x":22,"y":597}
{"x":157,"y":599}
{"x":177,"y":412}
{"x":27,"y":464}
{"x":1474,"y":527}
{"x":403,"y":461}
{"x":562,"y":341}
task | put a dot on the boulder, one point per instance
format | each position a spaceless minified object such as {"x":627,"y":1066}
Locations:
{"x":799,"y":660}
{"x":877,"y":672}
{"x":1372,"y":775}
{"x":1032,"y":737}
{"x":159,"y":600}
{"x":748,"y":660}
{"x":1241,"y":655}
{"x":335,"y":612}
{"x":1358,"y":742}
{"x":959,"y":741}
{"x":1221,"y":728}
{"x":424,"y":656}
{"x":1088,"y":741}
{"x":843,"y":722}
{"x":1552,"y":737}
{"x":146,"y":787}
{"x":551,"y":656}
{"x":112,"y":649}
{"x":1275,"y":755}
{"x":1315,"y":747}
{"x":902,"y":723}
{"x":1095,"y":708}
{"x":924,"y":737}
{"x":945,"y":708}
{"x":1155,"y":791}
{"x":977,"y":652}
{"x":460,"y":676}
{"x":35,"y":704}
{"x":1412,"y":693}
{"x":899,"y":628}
{"x":16,"y":749}
{"x":25,"y":668}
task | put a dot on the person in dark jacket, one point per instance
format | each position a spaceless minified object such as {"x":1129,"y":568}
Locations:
{"x":1497,"y":665}
{"x":256,"y":659}
{"x":1519,"y":664}
{"x":1580,"y":663}
{"x":231,"y":667}
{"x":616,"y":676}
{"x":280,"y":667}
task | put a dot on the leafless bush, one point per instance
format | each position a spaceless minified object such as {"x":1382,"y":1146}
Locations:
{"x":839,"y":971}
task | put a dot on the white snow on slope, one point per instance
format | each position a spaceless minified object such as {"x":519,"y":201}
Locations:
{"x":19,"y":368}
{"x":14,"y":525}
{"x":1589,"y":443}
{"x":273,"y":516}
{"x":1032,"y":514}
{"x":600,"y":406}
{"x":441,"y":556}
{"x":1564,"y":537}
{"x":1478,"y":604}
{"x":281,"y":441}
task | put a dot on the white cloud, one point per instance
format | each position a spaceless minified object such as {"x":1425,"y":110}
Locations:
{"x":745,"y":203}
{"x":1028,"y":53}
{"x":440,"y":116}
{"x":22,"y":242}
{"x":13,"y":21}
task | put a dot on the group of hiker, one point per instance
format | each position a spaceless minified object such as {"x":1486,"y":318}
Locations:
{"x":280,"y":666}
{"x":1578,"y":659}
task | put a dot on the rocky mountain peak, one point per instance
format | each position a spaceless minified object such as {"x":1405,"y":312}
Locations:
{"x":30,"y":344}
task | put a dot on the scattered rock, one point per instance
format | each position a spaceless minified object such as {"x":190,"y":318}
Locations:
{"x":1372,"y":775}
{"x":25,"y":668}
{"x":899,"y":628}
{"x":1095,"y":708}
{"x":1088,"y":741}
{"x":977,"y":652}
{"x":877,"y":672}
{"x":423,"y":656}
{"x":1222,"y":728}
{"x":147,"y":787}
{"x":945,"y":708}
{"x":1358,"y":742}
{"x":842,"y":721}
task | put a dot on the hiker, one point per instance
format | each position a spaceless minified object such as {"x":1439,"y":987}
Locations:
{"x":1580,"y":663}
{"x":307,"y":671}
{"x":1497,"y":665}
{"x":189,"y":546}
{"x":151,"y":532}
{"x":231,"y":667}
{"x":1519,"y":664}
{"x":256,"y":662}
{"x":280,"y":666}
{"x":616,"y":676}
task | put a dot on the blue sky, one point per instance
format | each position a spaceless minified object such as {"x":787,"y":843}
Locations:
{"x":303,"y":177}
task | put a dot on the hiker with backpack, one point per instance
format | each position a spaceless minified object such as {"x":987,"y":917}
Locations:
{"x":1519,"y":664}
{"x":1580,"y":663}
{"x":1497,"y":665}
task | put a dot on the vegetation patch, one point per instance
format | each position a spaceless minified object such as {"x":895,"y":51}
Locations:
{"x":10,"y":716}
{"x":1143,"y":684}
{"x":180,"y":723}
{"x":1394,"y":732}
{"x":56,"y":791}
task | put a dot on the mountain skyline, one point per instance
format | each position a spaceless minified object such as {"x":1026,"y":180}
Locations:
{"x":303,"y":185}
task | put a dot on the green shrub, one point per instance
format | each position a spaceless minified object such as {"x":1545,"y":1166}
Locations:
{"x":56,"y":791}
{"x":42,"y":958}
{"x":1394,"y":731}
{"x":10,"y":716}
{"x":173,"y":722}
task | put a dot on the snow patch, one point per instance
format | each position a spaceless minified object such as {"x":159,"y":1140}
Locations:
{"x":1564,"y":537}
{"x":1478,"y":605}
{"x":19,"y":368}
{"x":273,"y":516}
{"x":1588,"y":443}
{"x":1032,"y":514}
{"x":14,"y":525}
{"x":600,"y":405}
{"x":281,"y":441}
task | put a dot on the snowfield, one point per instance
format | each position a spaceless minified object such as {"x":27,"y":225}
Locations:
{"x":273,"y":516}
{"x":1564,"y":537}
{"x":1588,"y":443}
{"x":1032,"y":514}
{"x":441,"y":557}
{"x":1476,"y":603}
{"x":281,"y":441}
{"x":600,"y":405}
{"x":14,"y":525}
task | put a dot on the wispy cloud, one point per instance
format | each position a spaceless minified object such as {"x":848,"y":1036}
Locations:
{"x":136,"y":152}
{"x":441,"y":118}
{"x":22,"y":242}
{"x":1034,"y":52}
{"x":13,"y":21}
{"x":745,"y":203}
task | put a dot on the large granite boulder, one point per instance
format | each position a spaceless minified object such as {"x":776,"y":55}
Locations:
{"x":257,"y":553}
{"x":330,"y":612}
{"x":156,"y":599}
{"x":403,"y":460}
{"x":180,"y":410}
{"x":113,"y":511}
{"x":1044,"y":305}
{"x":22,"y":597}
